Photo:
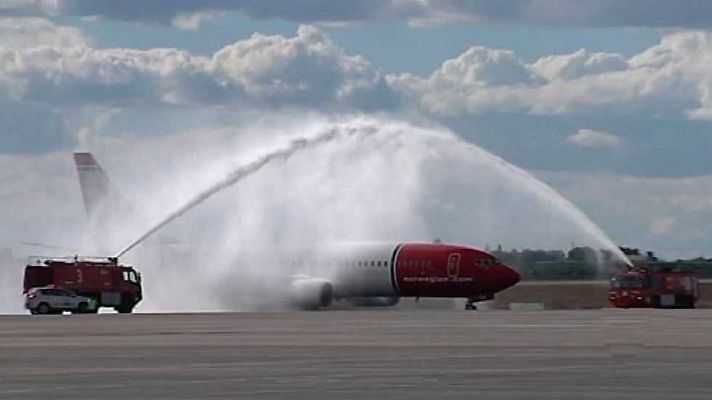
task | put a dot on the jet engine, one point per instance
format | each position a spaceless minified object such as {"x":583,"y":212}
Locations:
{"x":311,"y":293}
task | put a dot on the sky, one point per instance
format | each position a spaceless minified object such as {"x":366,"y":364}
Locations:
{"x":608,"y":102}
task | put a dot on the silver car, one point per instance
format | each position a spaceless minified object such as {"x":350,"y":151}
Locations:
{"x":51,"y":300}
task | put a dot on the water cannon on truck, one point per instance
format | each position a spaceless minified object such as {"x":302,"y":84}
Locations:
{"x":651,"y":283}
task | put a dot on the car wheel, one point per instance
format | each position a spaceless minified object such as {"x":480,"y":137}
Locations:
{"x":43,"y":308}
{"x":82,"y":308}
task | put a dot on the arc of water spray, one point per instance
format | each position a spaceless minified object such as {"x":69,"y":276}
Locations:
{"x":545,"y":192}
{"x":539,"y":188}
{"x":243,"y":172}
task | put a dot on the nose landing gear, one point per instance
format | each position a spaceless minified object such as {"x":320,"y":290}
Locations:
{"x":472,"y":301}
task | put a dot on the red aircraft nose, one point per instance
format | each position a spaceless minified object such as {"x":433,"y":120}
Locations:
{"x":506,"y":276}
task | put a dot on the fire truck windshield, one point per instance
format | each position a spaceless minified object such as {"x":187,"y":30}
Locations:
{"x":628,"y":282}
{"x":130,"y":276}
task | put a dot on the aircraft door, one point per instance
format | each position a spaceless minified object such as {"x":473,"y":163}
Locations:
{"x":453,"y":265}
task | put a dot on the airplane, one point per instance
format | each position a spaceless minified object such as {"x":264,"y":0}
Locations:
{"x":364,"y":274}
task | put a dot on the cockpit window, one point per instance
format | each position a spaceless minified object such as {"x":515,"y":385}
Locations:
{"x":486,"y":262}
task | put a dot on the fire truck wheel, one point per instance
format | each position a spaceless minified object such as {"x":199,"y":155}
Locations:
{"x":687,"y":302}
{"x":43,"y":308}
{"x":124,"y":309}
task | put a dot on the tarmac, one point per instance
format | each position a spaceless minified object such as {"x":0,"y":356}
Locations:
{"x":346,"y":354}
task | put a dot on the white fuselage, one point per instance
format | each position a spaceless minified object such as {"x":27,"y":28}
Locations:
{"x":355,"y":269}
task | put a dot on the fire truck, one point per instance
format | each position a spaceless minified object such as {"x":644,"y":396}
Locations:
{"x":654,"y":287}
{"x":104,"y":280}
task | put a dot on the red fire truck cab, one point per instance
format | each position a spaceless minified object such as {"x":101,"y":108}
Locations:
{"x":644,"y":288}
{"x":106,"y":281}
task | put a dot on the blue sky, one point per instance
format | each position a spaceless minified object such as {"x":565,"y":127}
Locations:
{"x":594,"y":95}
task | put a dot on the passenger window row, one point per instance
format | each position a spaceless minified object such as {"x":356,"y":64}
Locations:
{"x":414,"y":263}
{"x":371,"y":263}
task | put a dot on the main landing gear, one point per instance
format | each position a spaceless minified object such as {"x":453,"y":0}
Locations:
{"x":470,"y":305}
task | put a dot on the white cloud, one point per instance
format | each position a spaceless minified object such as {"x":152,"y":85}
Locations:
{"x":578,"y":64}
{"x":30,"y":126}
{"x":480,"y":65}
{"x":465,"y":83}
{"x":594,"y":139}
{"x":309,"y":69}
{"x":193,"y":21}
{"x":306,"y":69}
{"x":28,"y":32}
{"x":82,"y":75}
{"x":668,"y":78}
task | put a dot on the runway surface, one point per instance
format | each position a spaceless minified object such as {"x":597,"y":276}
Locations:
{"x":385,"y":354}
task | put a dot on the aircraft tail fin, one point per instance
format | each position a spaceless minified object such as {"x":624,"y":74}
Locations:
{"x":94,"y":182}
{"x":105,"y":205}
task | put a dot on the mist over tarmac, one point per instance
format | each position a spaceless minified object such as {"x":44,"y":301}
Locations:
{"x":374,"y":179}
